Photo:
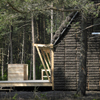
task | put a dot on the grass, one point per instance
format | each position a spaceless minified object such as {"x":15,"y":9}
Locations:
{"x":36,"y":95}
{"x":76,"y":95}
{"x":36,"y":98}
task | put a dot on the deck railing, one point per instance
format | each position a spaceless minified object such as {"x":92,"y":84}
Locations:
{"x":46,"y":55}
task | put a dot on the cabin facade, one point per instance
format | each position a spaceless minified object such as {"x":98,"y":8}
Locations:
{"x":67,"y":56}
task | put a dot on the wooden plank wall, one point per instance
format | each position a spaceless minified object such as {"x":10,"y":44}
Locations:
{"x":93,"y":64}
{"x":59,"y":66}
{"x":67,"y":57}
{"x":66,"y":61}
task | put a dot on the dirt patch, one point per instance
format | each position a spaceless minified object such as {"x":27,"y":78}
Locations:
{"x":49,"y":95}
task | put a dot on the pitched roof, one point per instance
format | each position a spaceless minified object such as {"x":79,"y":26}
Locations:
{"x":63,"y":27}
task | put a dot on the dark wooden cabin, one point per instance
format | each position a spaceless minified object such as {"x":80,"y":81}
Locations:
{"x":67,"y":56}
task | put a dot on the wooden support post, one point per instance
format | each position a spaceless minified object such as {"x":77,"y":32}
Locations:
{"x":46,"y":61}
{"x":0,"y":88}
{"x":42,"y":62}
{"x":52,"y":68}
{"x":33,"y":40}
{"x":10,"y":89}
{"x":42,"y":74}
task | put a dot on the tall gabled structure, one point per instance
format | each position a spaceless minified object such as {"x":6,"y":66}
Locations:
{"x":67,"y":55}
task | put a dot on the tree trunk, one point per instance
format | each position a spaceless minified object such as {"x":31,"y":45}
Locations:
{"x":2,"y":58}
{"x":82,"y":64}
{"x":11,"y":56}
{"x":8,"y":56}
{"x":44,"y":28}
{"x":33,"y":41}
{"x":51,"y":23}
{"x":31,"y":64}
{"x":22,"y":59}
{"x":38,"y":37}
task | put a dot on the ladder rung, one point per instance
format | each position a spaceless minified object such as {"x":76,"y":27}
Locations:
{"x":46,"y":76}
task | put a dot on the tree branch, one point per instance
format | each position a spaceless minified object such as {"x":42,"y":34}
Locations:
{"x":15,"y":8}
{"x":88,"y":27}
{"x":23,"y":26}
{"x":85,"y":29}
{"x":97,"y":4}
{"x":49,"y":8}
{"x":62,"y":10}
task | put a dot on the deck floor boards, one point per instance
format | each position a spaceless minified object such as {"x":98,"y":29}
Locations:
{"x":25,"y":83}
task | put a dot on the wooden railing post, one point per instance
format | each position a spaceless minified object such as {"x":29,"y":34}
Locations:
{"x":52,"y":67}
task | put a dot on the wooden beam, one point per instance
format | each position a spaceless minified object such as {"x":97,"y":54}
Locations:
{"x":52,"y":68}
{"x":42,"y":62}
{"x":25,"y":83}
{"x":45,"y":49}
{"x":48,"y":57}
{"x":46,"y":61}
{"x":43,"y":45}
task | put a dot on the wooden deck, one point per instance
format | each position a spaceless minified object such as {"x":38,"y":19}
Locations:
{"x":25,"y":83}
